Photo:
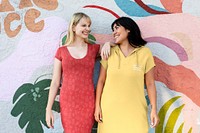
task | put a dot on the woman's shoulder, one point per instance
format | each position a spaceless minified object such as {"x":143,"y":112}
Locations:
{"x":114,"y":48}
{"x":93,"y":45}
{"x":145,"y":49}
{"x":61,"y":48}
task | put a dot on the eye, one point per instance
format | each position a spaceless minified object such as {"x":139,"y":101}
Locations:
{"x":85,"y":25}
{"x":116,"y":27}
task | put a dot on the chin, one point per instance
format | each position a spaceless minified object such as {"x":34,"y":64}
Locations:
{"x":84,"y":37}
{"x":117,"y":41}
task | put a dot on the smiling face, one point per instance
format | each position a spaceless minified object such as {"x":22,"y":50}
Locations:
{"x":120,"y":34}
{"x":82,"y":29}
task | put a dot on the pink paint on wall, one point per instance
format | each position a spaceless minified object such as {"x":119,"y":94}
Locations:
{"x":166,"y":25}
{"x":33,"y":51}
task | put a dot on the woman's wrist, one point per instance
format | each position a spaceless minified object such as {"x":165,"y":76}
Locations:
{"x":97,"y":105}
{"x":48,"y":108}
{"x":153,"y":107}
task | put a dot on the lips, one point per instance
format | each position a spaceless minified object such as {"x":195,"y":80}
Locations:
{"x":86,"y":32}
{"x":116,"y":36}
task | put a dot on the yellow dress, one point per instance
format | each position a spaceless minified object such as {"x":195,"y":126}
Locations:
{"x":123,"y":102}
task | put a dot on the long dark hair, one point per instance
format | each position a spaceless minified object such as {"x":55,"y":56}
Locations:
{"x":134,"y":37}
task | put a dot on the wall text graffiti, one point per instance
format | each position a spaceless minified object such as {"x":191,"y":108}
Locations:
{"x":9,"y":15}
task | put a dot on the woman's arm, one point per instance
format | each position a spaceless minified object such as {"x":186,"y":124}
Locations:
{"x":99,"y":90}
{"x":105,"y":49}
{"x":151,"y":90}
{"x":55,"y":83}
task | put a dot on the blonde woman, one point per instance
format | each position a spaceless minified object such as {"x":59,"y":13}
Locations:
{"x":74,"y":64}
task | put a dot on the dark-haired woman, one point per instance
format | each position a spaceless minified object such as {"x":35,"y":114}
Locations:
{"x":120,"y":98}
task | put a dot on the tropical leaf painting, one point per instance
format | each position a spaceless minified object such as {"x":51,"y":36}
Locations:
{"x":172,"y":119}
{"x":138,"y":8}
{"x":169,"y":128}
{"x":64,"y":39}
{"x":180,"y":129}
{"x":190,"y":130}
{"x":91,"y":39}
{"x":30,"y":102}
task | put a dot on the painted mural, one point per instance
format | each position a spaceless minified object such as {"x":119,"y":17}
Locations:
{"x":32,"y":30}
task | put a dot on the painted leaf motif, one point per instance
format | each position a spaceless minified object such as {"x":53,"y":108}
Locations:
{"x":147,"y":99}
{"x":169,"y":128}
{"x":180,"y":129}
{"x":23,"y":103}
{"x":31,"y":105}
{"x":56,"y":106}
{"x":133,"y":9}
{"x":91,"y":39}
{"x":23,"y":120}
{"x":190,"y":130}
{"x":174,"y":6}
{"x":64,"y":39}
{"x":43,"y":84}
{"x":34,"y":126}
{"x":25,"y":88}
{"x":162,"y":113}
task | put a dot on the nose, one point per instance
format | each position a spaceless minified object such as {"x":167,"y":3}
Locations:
{"x":88,"y":28}
{"x":113,"y":33}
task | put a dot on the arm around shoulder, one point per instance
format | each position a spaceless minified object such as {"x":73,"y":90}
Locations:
{"x":105,"y":49}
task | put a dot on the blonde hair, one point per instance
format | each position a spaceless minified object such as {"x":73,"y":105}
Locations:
{"x":74,"y":21}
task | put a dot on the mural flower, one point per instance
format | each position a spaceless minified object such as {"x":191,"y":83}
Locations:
{"x":30,"y":102}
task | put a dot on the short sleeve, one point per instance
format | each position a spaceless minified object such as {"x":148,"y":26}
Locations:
{"x":150,"y":61}
{"x":104,"y":63}
{"x":58,"y":54}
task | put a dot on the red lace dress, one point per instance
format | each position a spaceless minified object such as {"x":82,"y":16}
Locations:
{"x":77,"y":97}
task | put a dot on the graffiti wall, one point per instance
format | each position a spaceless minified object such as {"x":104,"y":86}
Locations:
{"x":32,"y":30}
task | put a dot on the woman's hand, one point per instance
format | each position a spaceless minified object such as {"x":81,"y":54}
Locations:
{"x":49,"y":118}
{"x":105,"y":50}
{"x":154,"y":119}
{"x":98,"y":114}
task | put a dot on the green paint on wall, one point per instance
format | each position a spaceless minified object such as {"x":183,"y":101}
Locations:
{"x":180,"y":129}
{"x":162,"y":113}
{"x":30,"y":103}
{"x":172,"y":119}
